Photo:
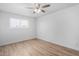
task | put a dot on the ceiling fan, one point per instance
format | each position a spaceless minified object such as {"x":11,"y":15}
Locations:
{"x":37,"y":8}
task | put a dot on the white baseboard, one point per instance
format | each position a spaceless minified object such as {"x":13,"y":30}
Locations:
{"x":6,"y":43}
{"x":58,"y":43}
{"x":41,"y":39}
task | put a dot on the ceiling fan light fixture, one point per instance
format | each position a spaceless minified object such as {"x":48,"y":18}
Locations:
{"x":37,"y":10}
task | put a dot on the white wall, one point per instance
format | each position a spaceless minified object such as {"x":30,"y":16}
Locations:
{"x":61,"y":27}
{"x":8,"y":35}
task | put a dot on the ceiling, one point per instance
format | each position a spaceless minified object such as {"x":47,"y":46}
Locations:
{"x":20,"y":8}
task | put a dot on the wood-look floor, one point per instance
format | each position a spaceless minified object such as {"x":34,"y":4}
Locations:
{"x":36,"y":47}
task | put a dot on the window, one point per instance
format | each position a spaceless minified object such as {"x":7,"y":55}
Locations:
{"x":18,"y":23}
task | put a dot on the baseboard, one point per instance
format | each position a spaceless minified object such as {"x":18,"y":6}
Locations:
{"x":58,"y":44}
{"x":29,"y":38}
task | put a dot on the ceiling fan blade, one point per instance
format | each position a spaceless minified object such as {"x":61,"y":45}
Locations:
{"x":43,"y":11}
{"x":29,"y":7}
{"x":33,"y":11}
{"x":37,"y":5}
{"x":46,"y":6}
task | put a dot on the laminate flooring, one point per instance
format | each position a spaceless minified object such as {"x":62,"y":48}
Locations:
{"x":36,"y":47}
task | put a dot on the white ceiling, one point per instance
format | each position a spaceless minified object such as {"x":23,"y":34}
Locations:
{"x":20,"y":8}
